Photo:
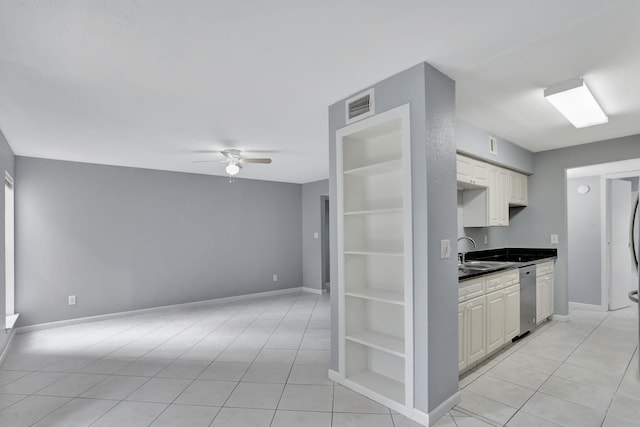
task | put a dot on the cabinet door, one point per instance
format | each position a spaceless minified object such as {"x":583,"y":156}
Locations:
{"x":477,"y":329}
{"x":512,"y":312}
{"x":540,"y":292}
{"x":517,"y":189}
{"x":549,"y":296}
{"x":523,"y":192}
{"x":463,"y":336}
{"x":472,"y":171}
{"x":513,"y":188}
{"x":498,"y":203}
{"x":544,"y":297}
{"x":464,"y":167}
{"x":495,"y":320}
{"x":480,"y":173}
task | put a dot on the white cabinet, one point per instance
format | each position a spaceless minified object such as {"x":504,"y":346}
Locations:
{"x":488,"y":315}
{"x":503,"y":317}
{"x":472,"y":172}
{"x":518,"y":193}
{"x":495,"y":320}
{"x":471,"y":331}
{"x":488,"y":191}
{"x":375,"y":257}
{"x":512,"y":312}
{"x":498,"y":205}
{"x":544,"y":291}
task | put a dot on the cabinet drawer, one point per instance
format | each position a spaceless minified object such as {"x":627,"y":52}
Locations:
{"x":470,"y":289}
{"x":501,"y":280}
{"x":544,"y":268}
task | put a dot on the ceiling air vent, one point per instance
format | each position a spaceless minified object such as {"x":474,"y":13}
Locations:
{"x":360,"y":106}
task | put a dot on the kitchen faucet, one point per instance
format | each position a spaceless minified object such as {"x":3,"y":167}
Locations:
{"x":463,"y":254}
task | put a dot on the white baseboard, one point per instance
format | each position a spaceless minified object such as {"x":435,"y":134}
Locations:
{"x":561,"y":317}
{"x":314,"y":290}
{"x":4,"y":353}
{"x":334,"y":376}
{"x":49,"y":325}
{"x":587,"y":307}
{"x":443,"y":408}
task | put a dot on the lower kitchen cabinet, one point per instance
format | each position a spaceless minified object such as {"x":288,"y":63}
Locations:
{"x":503,"y":317}
{"x":471,"y":331}
{"x":544,"y":297}
{"x":488,"y":315}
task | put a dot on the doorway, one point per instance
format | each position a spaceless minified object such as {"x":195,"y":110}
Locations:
{"x":599,"y":207}
{"x":324,"y":239}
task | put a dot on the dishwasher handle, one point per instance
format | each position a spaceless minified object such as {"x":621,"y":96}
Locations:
{"x":633,"y":296}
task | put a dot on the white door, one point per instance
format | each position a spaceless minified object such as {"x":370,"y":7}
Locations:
{"x":620,"y":278}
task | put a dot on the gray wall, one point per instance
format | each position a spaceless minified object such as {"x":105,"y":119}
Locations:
{"x":431,"y":97}
{"x":475,"y":142}
{"x":584,"y":263}
{"x":124,"y":238}
{"x":7,"y":163}
{"x":312,"y":223}
{"x":547,"y":211}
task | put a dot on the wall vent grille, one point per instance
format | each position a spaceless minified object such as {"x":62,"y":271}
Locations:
{"x":360,"y":106}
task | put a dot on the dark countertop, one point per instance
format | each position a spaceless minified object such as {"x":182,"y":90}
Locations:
{"x":515,"y":257}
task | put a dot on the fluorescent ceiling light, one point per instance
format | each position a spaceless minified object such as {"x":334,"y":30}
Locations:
{"x":574,"y":100}
{"x":232,"y":168}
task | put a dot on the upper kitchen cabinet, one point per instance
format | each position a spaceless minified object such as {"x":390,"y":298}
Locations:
{"x":488,"y":192}
{"x":471,"y":173}
{"x":518,"y":194}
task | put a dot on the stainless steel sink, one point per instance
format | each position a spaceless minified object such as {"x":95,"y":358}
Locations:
{"x":481,"y":265}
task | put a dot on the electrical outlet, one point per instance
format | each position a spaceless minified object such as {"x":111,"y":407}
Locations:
{"x":445,"y":249}
{"x":316,"y":235}
{"x":554,"y":239}
{"x":72,"y":300}
{"x":275,"y":277}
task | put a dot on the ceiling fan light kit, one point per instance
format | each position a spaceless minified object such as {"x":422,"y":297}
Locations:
{"x":576,"y":103}
{"x":234,"y":160}
{"x":233,"y":168}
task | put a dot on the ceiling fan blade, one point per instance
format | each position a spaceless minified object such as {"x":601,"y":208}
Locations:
{"x":208,"y":161}
{"x":267,"y":161}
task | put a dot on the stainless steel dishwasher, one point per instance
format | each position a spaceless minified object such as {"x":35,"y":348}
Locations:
{"x":527,"y":299}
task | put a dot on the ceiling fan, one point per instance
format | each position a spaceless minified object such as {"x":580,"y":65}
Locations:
{"x":235,"y":161}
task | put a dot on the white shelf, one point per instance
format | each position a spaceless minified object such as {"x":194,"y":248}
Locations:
{"x":382,"y":385}
{"x":374,"y":211}
{"x":389,"y":297}
{"x":383,"y":342}
{"x":376,"y":168}
{"x":377,"y":253}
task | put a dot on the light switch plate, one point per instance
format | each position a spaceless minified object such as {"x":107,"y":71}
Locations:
{"x":445,"y":249}
{"x":72,"y":300}
{"x":554,"y":239}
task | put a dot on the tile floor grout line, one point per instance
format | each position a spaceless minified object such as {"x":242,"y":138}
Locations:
{"x":554,"y":371}
{"x":240,"y":380}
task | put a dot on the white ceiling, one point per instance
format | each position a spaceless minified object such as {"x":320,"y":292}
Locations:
{"x":160,"y":83}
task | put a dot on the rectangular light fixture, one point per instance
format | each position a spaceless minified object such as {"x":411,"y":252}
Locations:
{"x":574,"y":101}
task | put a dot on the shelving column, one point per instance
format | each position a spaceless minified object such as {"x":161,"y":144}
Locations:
{"x":375,"y":258}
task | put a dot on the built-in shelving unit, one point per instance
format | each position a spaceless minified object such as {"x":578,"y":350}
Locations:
{"x":375,"y":257}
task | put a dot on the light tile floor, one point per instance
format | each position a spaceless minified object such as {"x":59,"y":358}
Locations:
{"x":264,"y":362}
